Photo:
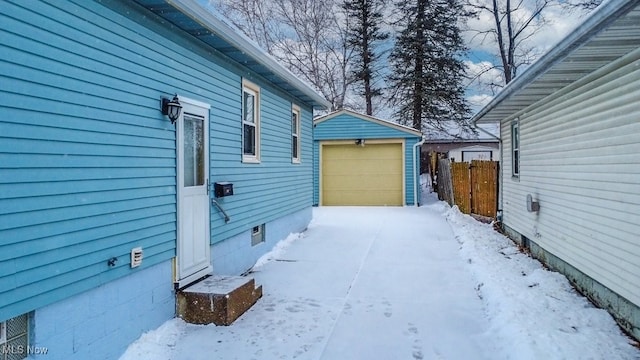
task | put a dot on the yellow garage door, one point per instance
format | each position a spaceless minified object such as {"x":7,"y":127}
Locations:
{"x":362,"y":175}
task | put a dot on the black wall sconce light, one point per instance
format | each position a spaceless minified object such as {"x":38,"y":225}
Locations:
{"x":171,"y":108}
{"x":360,"y":142}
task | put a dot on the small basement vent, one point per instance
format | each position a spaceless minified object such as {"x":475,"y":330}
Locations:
{"x":136,"y":257}
{"x":257,"y":235}
{"x":3,"y":333}
{"x":14,"y":342}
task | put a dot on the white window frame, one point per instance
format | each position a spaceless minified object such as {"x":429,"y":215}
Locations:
{"x":295,"y":135}
{"x":253,"y":89}
{"x":515,"y":149}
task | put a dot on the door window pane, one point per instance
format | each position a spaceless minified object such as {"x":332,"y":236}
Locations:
{"x":193,"y":150}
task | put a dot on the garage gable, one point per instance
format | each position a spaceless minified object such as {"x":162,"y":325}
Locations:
{"x":360,"y":160}
{"x":346,"y":124}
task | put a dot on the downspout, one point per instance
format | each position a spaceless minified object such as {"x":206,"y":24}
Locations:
{"x":416,"y":174}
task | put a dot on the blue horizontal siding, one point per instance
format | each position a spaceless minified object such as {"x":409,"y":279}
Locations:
{"x":348,"y":127}
{"x":87,"y":160}
{"x":273,"y":188}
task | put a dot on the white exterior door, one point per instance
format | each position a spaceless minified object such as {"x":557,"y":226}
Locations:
{"x":194,"y":250}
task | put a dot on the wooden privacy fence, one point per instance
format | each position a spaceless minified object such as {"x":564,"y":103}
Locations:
{"x":444,"y":183}
{"x":472,"y":186}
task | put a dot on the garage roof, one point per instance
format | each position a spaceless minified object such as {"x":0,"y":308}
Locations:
{"x":612,"y":31}
{"x":193,"y":18}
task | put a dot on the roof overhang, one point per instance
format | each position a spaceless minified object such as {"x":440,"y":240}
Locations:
{"x":193,"y":18}
{"x":372,"y":119}
{"x":611,"y":32}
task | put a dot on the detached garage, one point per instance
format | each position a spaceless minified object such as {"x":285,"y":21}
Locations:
{"x":364,"y":161}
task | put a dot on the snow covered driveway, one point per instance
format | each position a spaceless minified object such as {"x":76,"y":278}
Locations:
{"x":390,"y":282}
{"x":399,"y":283}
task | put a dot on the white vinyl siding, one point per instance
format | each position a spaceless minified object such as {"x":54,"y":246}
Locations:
{"x":580,"y":158}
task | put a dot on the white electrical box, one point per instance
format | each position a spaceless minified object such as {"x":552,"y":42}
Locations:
{"x":532,"y":206}
{"x":136,"y":257}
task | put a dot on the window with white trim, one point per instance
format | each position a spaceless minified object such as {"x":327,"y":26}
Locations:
{"x":295,"y":134}
{"x":515,"y":148}
{"x":250,"y":122}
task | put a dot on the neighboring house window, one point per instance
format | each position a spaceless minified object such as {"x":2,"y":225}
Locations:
{"x":250,"y":122}
{"x":468,"y":156}
{"x":257,"y":235}
{"x":515,"y":148}
{"x":295,"y":134}
{"x":14,"y":342}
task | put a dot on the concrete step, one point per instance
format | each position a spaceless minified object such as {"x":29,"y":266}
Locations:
{"x":217,"y":299}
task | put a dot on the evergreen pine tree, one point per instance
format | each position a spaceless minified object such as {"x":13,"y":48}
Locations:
{"x":364,"y":18}
{"x":427,"y":71}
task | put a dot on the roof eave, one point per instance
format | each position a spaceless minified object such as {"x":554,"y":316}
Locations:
{"x":607,"y":13}
{"x":193,"y":9}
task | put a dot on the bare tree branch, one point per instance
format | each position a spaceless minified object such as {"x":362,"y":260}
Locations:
{"x":307,"y":36}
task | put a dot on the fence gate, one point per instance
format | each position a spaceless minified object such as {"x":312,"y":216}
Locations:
{"x":484,"y":187}
{"x":474,"y":186}
{"x":460,"y":176}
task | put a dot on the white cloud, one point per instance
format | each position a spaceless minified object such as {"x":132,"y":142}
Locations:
{"x":480,"y":100}
{"x":561,"y":23}
{"x":537,"y":36}
{"x":483,"y":72}
{"x":479,"y":90}
{"x":485,"y":80}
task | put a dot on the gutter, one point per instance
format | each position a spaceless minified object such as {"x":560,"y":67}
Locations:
{"x":416,"y":174}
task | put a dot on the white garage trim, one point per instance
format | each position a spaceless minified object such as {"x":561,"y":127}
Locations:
{"x":324,"y":143}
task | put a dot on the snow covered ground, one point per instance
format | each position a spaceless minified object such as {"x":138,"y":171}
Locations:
{"x":400,"y":283}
